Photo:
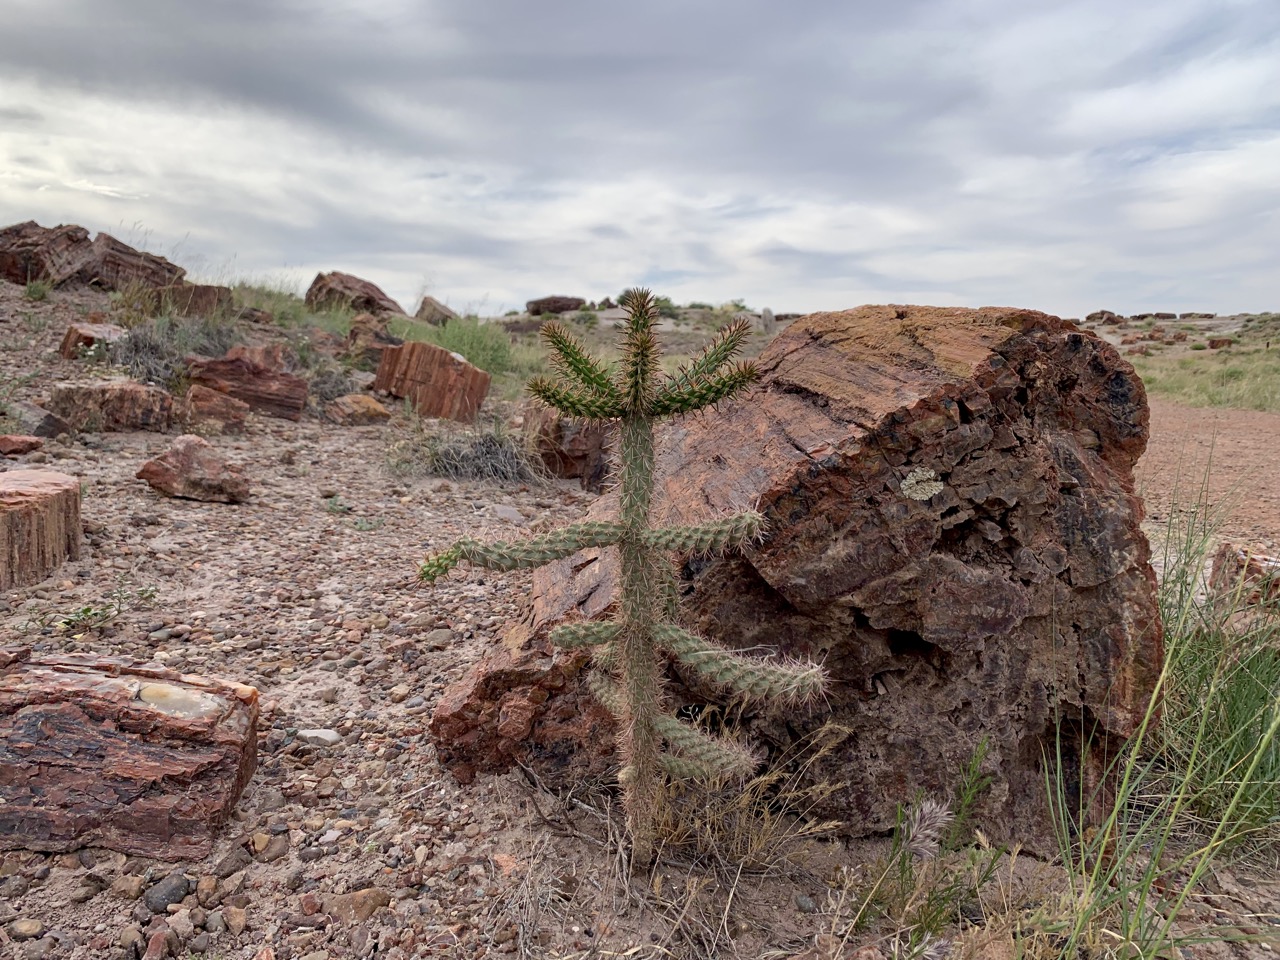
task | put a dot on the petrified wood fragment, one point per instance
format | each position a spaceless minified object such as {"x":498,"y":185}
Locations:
{"x":107,"y":405}
{"x":438,"y":383}
{"x":954,"y":533}
{"x":39,"y":524}
{"x":96,"y":751}
{"x":267,"y":391}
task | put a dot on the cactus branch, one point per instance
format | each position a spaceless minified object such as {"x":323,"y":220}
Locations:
{"x":576,"y":365}
{"x":575,"y":401}
{"x":727,"y":533}
{"x":502,"y":555}
{"x":703,"y":393}
{"x":589,"y":634}
{"x":785,"y":684}
{"x":725,"y":757}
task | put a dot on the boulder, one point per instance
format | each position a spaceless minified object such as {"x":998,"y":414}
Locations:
{"x":211,"y":411}
{"x":267,"y":391}
{"x":132,"y":757}
{"x":342,"y":291}
{"x":1219,"y":343}
{"x":432,"y":311}
{"x":357,"y":409}
{"x":438,"y":383}
{"x":15,"y":445}
{"x":570,"y":449}
{"x":1242,"y":577}
{"x":1102,"y":316}
{"x":954,"y":533}
{"x":25,"y":417}
{"x":109,"y":405}
{"x":80,"y":335}
{"x":39,"y":525}
{"x":368,"y":337}
{"x":193,"y":470}
{"x":268,"y":356}
{"x":537,"y":308}
{"x":65,"y":254}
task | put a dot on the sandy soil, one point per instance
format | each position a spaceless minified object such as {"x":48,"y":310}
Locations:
{"x":313,"y":600}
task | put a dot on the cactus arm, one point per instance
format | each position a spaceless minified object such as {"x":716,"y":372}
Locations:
{"x":762,"y":681}
{"x":575,"y":401}
{"x":640,"y":368}
{"x":727,"y":533}
{"x":589,"y":634}
{"x":716,"y":755}
{"x":576,"y":365}
{"x":502,"y":555}
{"x":713,"y":356}
{"x":704,"y":392}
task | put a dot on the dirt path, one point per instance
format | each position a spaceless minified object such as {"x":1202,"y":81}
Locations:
{"x":1231,"y":456}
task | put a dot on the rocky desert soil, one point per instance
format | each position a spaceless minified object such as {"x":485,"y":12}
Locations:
{"x":308,"y":592}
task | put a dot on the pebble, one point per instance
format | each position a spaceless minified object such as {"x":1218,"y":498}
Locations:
{"x":172,"y":889}
{"x":200,"y":943}
{"x":26,"y":929}
{"x":320,"y":738}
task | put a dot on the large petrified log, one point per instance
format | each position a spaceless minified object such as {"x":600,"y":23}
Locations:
{"x":39,"y":524}
{"x":65,"y":253}
{"x":272,"y":392}
{"x":342,"y":291}
{"x":438,"y":383}
{"x":109,"y":405}
{"x":568,"y":448}
{"x":96,"y":751}
{"x":954,"y":533}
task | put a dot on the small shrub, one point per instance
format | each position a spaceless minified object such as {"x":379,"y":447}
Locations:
{"x":486,"y":452}
{"x":156,"y":351}
{"x":38,"y":290}
{"x":328,"y":384}
{"x":1199,"y":346}
{"x":587,"y":319}
{"x":485,"y":345}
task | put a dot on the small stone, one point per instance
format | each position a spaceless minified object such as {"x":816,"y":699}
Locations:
{"x":26,"y":929}
{"x":805,"y":904}
{"x":356,"y":907}
{"x":235,"y":919}
{"x":399,"y":693}
{"x":13,"y":887}
{"x":199,"y":943}
{"x":206,"y":890}
{"x":258,"y":842}
{"x":320,"y":738}
{"x":40,"y":949}
{"x":172,"y":889}
{"x":275,"y":849}
{"x":215,"y":923}
{"x":439,"y":639}
{"x":131,"y":938}
{"x":182,"y":924}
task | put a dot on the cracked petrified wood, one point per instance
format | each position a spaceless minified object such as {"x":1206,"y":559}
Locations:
{"x":438,"y":383}
{"x":101,"y":752}
{"x":953,"y":532}
{"x":39,"y":525}
{"x":243,"y":376}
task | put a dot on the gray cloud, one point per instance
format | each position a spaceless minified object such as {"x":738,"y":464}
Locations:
{"x":1028,"y":151}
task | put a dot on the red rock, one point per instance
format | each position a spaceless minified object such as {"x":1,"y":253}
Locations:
{"x":15,"y":445}
{"x":267,"y":391}
{"x":432,"y":311}
{"x":36,"y":421}
{"x":1241,"y":577}
{"x":355,"y":907}
{"x":80,"y":335}
{"x":357,"y":409}
{"x":438,"y":383}
{"x":108,"y":405}
{"x":368,"y":337}
{"x":269,"y":356}
{"x":1142,"y":350}
{"x":1218,"y":343}
{"x":212,"y":411}
{"x":192,"y":469}
{"x":103,"y":752}
{"x":568,"y":448}
{"x":39,"y":525}
{"x":953,"y":531}
{"x":330,"y":291}
{"x":554,"y":305}
{"x":64,"y":254}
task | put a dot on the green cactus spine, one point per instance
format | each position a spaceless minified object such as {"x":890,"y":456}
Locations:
{"x":631,"y":650}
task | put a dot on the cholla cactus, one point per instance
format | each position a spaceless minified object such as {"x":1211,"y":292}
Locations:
{"x":629,"y":654}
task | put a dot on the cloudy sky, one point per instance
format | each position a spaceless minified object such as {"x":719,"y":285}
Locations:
{"x":809,"y":155}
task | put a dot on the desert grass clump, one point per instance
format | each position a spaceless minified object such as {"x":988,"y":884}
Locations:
{"x":486,"y":451}
{"x":631,"y":649}
{"x":156,"y":350}
{"x":38,"y":290}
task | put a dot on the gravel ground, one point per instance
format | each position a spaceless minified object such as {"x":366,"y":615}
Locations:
{"x":361,"y":846}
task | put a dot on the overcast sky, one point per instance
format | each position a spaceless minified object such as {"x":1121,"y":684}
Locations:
{"x":1065,"y":156}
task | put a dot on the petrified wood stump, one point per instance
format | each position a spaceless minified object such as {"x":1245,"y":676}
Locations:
{"x":102,"y":752}
{"x":39,"y":524}
{"x":438,"y":383}
{"x":953,"y":532}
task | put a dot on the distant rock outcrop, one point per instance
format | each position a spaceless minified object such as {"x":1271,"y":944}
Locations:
{"x":432,"y":311}
{"x":537,"y":308}
{"x":64,"y":254}
{"x":329,"y":291}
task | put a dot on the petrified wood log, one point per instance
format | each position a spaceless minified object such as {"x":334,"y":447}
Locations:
{"x":568,"y":449}
{"x":96,"y":751}
{"x":39,"y":524}
{"x":267,"y":391}
{"x":330,"y":291}
{"x":109,"y":405}
{"x":65,"y":253}
{"x":438,"y":383}
{"x":953,"y":532}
